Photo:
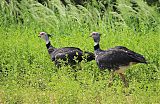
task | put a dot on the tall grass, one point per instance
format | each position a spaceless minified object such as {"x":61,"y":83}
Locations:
{"x":56,"y":16}
{"x":27,"y":74}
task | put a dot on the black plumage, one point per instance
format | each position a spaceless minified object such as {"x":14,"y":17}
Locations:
{"x":115,"y":59}
{"x":66,"y":55}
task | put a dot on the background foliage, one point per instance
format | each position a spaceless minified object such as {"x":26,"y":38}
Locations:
{"x":28,"y":76}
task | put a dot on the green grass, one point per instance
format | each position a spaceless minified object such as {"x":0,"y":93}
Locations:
{"x":27,"y":74}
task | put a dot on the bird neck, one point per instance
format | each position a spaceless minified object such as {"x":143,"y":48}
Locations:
{"x":47,"y":40}
{"x":48,"y":44}
{"x":96,"y":46}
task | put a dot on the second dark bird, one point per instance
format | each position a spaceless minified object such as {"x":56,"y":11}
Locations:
{"x":65,"y":55}
{"x":116,"y":59}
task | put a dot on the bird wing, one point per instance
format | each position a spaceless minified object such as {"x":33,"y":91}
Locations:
{"x":140,"y":58}
{"x":63,"y":51}
{"x":71,"y":57}
{"x":113,"y":58}
{"x":51,"y":49}
{"x":69,"y":54}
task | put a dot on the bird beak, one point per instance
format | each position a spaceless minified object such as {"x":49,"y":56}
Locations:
{"x":90,"y":35}
{"x":39,"y":35}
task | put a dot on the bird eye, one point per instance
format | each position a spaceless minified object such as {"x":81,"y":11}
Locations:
{"x":41,"y":33}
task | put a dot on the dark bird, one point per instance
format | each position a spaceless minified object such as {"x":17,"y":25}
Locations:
{"x":66,"y":55}
{"x":115,"y":59}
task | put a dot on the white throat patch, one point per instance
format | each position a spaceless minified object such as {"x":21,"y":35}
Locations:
{"x":96,"y":43}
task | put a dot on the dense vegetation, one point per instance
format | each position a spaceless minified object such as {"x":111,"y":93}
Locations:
{"x":27,"y":74}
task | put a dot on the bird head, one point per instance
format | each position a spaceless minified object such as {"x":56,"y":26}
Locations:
{"x":95,"y":36}
{"x":44,"y":36}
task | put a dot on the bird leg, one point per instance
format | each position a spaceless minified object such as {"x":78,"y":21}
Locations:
{"x":111,"y":79}
{"x":123,"y":79}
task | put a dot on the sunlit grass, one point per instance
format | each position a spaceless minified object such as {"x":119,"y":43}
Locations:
{"x":27,"y":70}
{"x":27,"y":74}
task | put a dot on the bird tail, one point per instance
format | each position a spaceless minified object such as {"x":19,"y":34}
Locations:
{"x":141,"y":58}
{"x":89,"y":56}
{"x":145,"y":62}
